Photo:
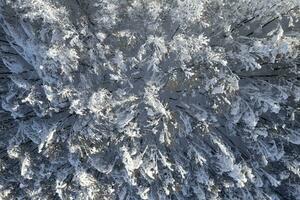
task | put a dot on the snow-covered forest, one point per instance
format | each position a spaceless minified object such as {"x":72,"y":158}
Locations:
{"x":150,"y":99}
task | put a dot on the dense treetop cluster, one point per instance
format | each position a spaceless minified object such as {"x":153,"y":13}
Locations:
{"x":150,"y":99}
